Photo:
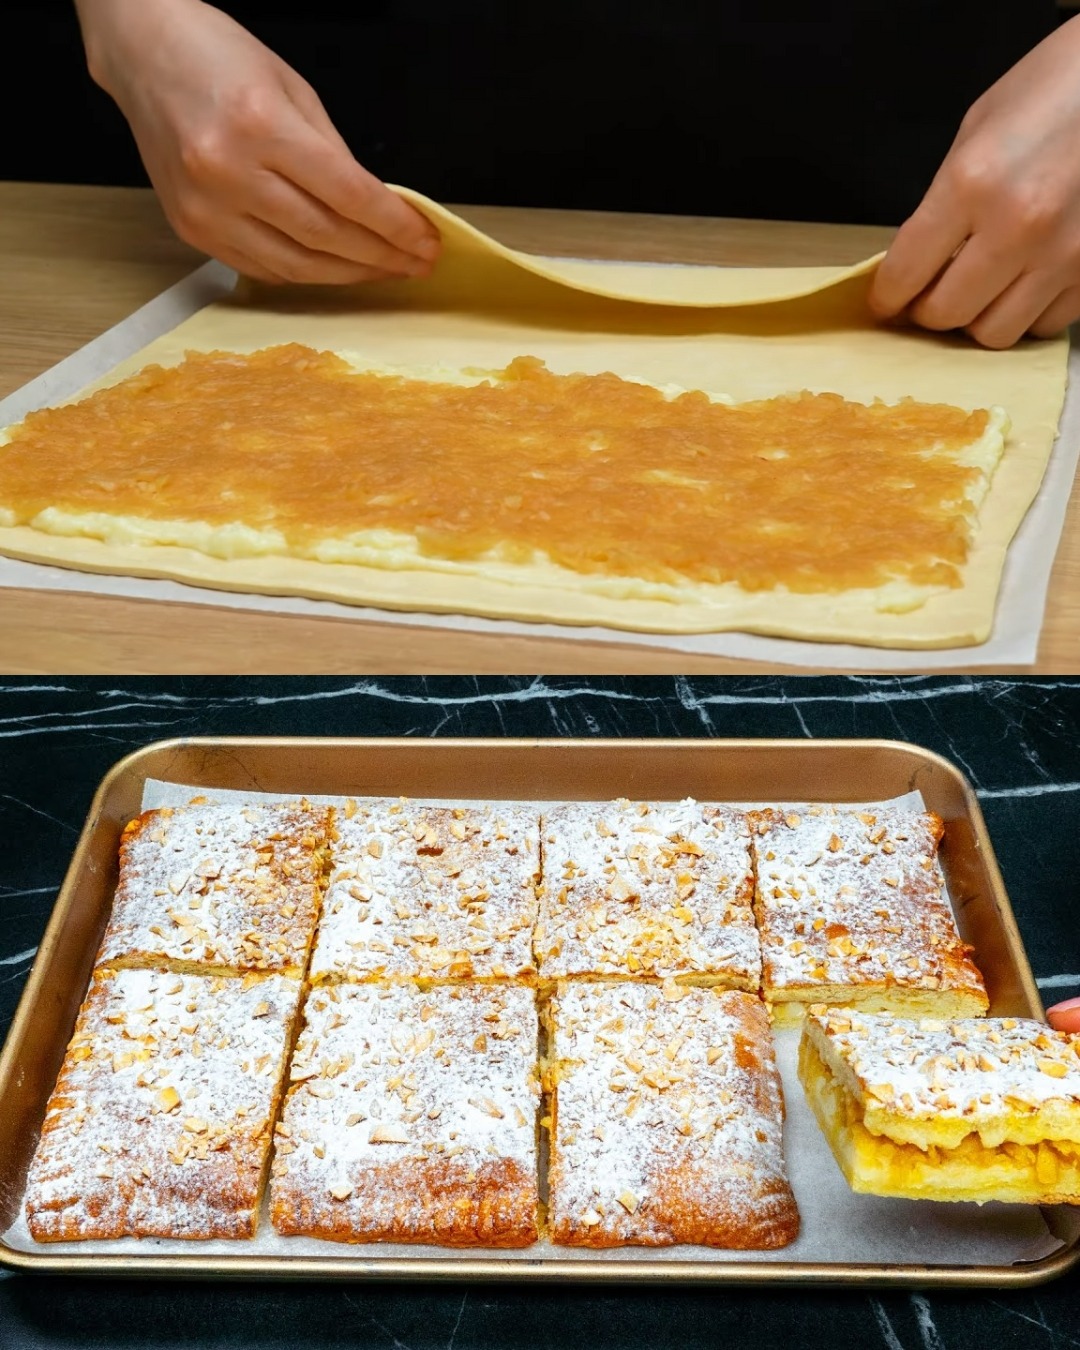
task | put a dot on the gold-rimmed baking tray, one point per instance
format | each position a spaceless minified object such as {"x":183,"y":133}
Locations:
{"x":718,"y":770}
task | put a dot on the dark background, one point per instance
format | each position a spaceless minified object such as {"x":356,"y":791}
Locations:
{"x":1018,"y":740}
{"x":800,"y":109}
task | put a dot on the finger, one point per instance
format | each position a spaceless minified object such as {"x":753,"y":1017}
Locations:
{"x":291,"y":261}
{"x":1058,"y":315}
{"x":971,"y":282}
{"x":924,"y":244}
{"x":1006,"y":320}
{"x":328,"y":172}
{"x":1065,"y":1016}
{"x":311,"y":108}
{"x":226,"y":253}
{"x":297,"y":214}
{"x":247,"y":267}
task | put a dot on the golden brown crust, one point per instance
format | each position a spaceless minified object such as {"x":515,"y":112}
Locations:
{"x":851,"y":905}
{"x":412,"y":1117}
{"x":159,"y":1124}
{"x":440,"y":1201}
{"x":981,"y":1109}
{"x":219,"y":887}
{"x":430,"y":893}
{"x":647,"y":890}
{"x":666,"y":1120}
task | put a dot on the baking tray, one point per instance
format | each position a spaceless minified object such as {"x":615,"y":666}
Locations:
{"x":718,"y":770}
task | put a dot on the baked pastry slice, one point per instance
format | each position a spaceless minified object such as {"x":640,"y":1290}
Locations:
{"x":219,"y":888}
{"x":978,"y":1109}
{"x":160,"y":1121}
{"x":430,"y":893}
{"x":852,"y":909}
{"x":412,"y":1117}
{"x":666,"y":1119}
{"x":647,"y":889}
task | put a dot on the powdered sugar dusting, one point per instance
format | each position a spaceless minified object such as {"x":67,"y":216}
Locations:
{"x":647,"y":889}
{"x":668,"y":1118}
{"x":430,"y":892}
{"x":855,"y":898}
{"x":223,"y":885}
{"x":994,"y":1075}
{"x":405,"y":1103}
{"x":160,"y":1120}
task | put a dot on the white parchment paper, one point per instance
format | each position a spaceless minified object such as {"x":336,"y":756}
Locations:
{"x":837,"y":1225}
{"x":1021,"y":600}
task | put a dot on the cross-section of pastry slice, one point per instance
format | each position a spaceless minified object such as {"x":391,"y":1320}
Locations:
{"x":976,"y":1109}
{"x":219,"y":887}
{"x":852,"y":909}
{"x":160,"y":1121}
{"x":412,"y":1117}
{"x":430,"y":893}
{"x":643,"y":889}
{"x":666,"y":1119}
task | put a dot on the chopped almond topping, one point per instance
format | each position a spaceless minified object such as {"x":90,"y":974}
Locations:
{"x":388,"y":1134}
{"x":489,"y":1107}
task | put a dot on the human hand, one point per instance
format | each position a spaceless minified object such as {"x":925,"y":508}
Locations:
{"x":1065,"y":1016}
{"x":242,"y":154}
{"x":994,"y":247}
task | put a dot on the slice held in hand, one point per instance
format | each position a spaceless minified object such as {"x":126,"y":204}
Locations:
{"x":974,"y":1109}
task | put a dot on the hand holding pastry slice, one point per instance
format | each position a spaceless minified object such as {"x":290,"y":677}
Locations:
{"x":973,"y":1109}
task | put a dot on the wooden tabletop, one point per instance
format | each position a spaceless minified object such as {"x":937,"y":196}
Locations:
{"x":76,"y":260}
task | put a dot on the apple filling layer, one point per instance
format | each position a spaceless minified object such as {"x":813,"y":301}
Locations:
{"x":294,"y":452}
{"x":981,"y":1165}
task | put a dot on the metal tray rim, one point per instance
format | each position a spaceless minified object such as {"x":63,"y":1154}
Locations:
{"x":585,"y":1270}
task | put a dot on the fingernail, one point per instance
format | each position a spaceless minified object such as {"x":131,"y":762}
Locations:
{"x":1067,"y":1006}
{"x":429,"y":247}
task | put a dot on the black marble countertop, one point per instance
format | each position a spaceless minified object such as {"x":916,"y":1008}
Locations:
{"x":1018,"y":741}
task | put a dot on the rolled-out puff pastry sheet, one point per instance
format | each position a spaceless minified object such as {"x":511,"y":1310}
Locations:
{"x":747,"y":333}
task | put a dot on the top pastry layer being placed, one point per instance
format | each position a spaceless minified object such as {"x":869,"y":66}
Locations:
{"x":852,"y":907}
{"x":635,"y":889}
{"x":422,"y":892}
{"x":220,"y":887}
